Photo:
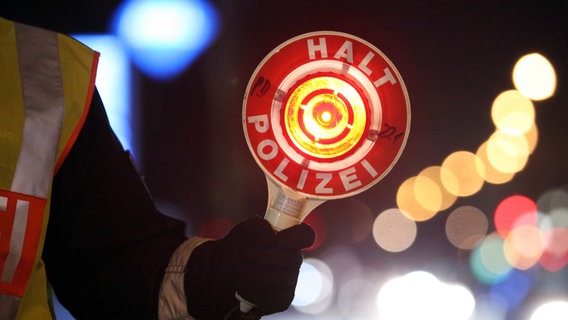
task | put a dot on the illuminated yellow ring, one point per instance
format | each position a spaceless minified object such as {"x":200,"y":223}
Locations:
{"x":325,"y":117}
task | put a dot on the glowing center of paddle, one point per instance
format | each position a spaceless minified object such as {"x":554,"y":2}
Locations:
{"x":325,"y":117}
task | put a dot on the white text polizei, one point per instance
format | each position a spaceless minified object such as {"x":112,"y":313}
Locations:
{"x":267,"y":150}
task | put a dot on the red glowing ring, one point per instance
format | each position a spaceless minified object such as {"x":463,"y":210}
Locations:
{"x":373,"y":78}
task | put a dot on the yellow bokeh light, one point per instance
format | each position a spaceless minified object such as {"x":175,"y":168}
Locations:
{"x":325,"y":117}
{"x":534,"y":77}
{"x":508,"y":154}
{"x":469,"y":171}
{"x":427,"y":193}
{"x":513,"y":113}
{"x":492,"y":174}
{"x":434,"y":174}
{"x":531,"y":138}
{"x":409,"y":205}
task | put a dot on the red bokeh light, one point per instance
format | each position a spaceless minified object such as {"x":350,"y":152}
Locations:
{"x":514,"y":211}
{"x":555,"y":255}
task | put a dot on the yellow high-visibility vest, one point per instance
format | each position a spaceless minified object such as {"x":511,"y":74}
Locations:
{"x":46,"y":85}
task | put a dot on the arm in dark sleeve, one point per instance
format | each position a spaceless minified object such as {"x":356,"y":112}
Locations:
{"x":106,"y":246}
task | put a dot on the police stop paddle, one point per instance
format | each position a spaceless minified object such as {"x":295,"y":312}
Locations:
{"x":326,"y":115}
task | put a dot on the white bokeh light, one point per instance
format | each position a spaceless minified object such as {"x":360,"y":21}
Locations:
{"x":554,"y":310}
{"x":113,"y":83}
{"x":309,"y":285}
{"x":420,"y":295}
{"x":534,"y":77}
{"x":314,"y":287}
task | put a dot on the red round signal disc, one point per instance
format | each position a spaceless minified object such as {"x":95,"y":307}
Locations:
{"x":326,"y":114}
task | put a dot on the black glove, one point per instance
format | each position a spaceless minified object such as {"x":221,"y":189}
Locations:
{"x":253,"y":260}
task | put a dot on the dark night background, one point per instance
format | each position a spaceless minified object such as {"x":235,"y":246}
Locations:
{"x":454,"y":56}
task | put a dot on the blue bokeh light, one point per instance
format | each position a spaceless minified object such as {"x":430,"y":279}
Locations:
{"x":163,"y":37}
{"x":515,"y":287}
{"x":113,"y":83}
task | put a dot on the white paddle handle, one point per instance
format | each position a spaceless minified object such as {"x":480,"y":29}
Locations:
{"x":285,"y":209}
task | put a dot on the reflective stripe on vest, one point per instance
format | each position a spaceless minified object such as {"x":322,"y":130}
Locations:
{"x":44,"y":107}
{"x":48,"y":100}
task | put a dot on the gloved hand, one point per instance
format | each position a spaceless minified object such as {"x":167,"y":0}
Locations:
{"x":252,"y":259}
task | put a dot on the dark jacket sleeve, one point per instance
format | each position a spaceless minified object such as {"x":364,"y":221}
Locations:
{"x":106,"y":246}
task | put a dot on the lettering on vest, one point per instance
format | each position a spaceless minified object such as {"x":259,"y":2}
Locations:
{"x":11,"y":234}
